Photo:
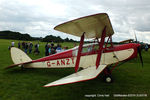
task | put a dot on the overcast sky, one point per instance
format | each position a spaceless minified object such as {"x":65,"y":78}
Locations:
{"x":39,"y":17}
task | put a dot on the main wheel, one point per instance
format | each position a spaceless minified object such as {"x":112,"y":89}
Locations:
{"x":108,"y":79}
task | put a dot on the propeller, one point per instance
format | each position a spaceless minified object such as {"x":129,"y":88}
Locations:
{"x":135,"y":37}
{"x":139,"y":49}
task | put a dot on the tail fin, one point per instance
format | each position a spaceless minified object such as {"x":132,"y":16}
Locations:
{"x":18,"y":56}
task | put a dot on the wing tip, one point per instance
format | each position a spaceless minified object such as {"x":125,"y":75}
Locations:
{"x":52,"y":85}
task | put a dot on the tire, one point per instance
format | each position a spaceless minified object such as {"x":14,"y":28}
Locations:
{"x":108,"y":79}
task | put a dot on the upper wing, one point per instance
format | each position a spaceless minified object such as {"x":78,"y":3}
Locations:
{"x":83,"y":75}
{"x":92,"y":25}
{"x":126,"y":41}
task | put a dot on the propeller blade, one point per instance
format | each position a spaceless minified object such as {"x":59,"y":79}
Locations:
{"x":135,"y":37}
{"x":139,"y":52}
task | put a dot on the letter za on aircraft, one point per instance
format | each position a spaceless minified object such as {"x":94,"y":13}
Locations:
{"x":93,"y":58}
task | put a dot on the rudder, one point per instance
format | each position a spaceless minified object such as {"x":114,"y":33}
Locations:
{"x":18,"y":56}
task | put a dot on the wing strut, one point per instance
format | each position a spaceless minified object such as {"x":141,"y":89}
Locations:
{"x":100,"y":51}
{"x":79,"y":52}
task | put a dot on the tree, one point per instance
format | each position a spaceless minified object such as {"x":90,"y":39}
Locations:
{"x":51,"y":38}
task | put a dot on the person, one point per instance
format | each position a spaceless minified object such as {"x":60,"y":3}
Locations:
{"x":19,"y":45}
{"x":75,"y":44}
{"x":89,"y":48}
{"x":58,"y":48}
{"x":23,"y":45}
{"x":47,"y":49}
{"x":36,"y":51}
{"x":46,"y":45}
{"x":12,"y":44}
{"x":30,"y":47}
{"x":38,"y":45}
{"x":9,"y":47}
{"x":52,"y":44}
{"x":26,"y":48}
{"x":146,"y":47}
{"x":52,"y":49}
{"x":65,"y":48}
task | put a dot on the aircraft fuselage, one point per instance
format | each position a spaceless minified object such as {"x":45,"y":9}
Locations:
{"x":67,"y":58}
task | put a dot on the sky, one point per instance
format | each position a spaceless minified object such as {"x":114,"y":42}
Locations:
{"x":39,"y":17}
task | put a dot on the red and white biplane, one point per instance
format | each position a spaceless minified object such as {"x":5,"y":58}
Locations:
{"x":93,"y":58}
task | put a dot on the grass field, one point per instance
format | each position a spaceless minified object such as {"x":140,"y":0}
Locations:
{"x":16,"y":84}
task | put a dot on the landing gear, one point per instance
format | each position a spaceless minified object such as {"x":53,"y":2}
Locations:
{"x":107,"y":75}
{"x":108,"y":79}
{"x":22,"y":67}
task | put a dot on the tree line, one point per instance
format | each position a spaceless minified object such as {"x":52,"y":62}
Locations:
{"x":26,"y":37}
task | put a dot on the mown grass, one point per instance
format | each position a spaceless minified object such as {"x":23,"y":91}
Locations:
{"x":17,"y":84}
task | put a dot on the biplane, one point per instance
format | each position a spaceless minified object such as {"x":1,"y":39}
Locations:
{"x":93,"y":58}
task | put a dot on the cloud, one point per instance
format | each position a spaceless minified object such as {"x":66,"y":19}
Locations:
{"x":39,"y":17}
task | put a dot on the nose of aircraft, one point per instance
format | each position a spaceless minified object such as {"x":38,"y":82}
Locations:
{"x":138,"y":45}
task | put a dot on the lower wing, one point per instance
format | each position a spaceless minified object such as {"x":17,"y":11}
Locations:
{"x":83,"y":75}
